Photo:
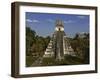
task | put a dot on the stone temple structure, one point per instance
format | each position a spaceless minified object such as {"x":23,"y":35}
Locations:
{"x":59,"y":45}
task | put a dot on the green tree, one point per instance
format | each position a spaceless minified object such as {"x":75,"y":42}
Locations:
{"x":81,"y":46}
{"x":30,"y":38}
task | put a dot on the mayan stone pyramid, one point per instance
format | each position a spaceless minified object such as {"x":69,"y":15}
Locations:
{"x":59,"y":45}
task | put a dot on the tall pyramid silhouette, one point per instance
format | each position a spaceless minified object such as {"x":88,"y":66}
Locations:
{"x":59,"y":45}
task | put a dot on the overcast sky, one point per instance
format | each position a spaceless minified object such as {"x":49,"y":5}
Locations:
{"x":44,"y":23}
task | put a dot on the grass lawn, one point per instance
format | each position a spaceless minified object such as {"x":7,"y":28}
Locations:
{"x":51,"y":61}
{"x":68,"y":60}
{"x":30,"y":60}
